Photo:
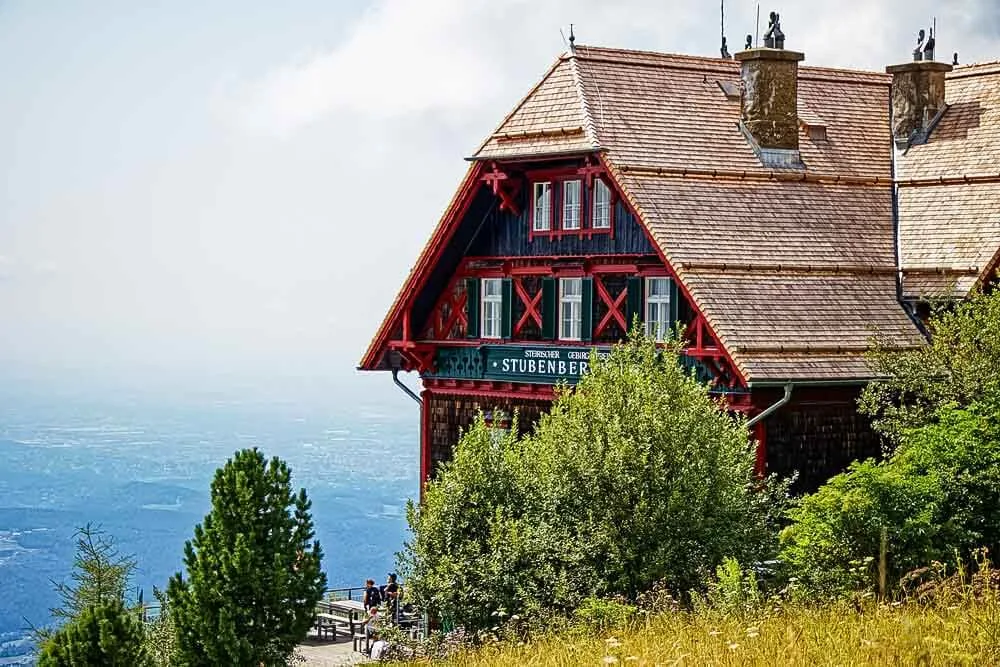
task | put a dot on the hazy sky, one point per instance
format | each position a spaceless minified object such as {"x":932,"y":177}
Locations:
{"x":212,"y":192}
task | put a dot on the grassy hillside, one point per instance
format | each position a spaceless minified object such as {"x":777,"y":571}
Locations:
{"x":967,"y":633}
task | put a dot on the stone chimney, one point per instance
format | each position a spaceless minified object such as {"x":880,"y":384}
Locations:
{"x":917,"y":100}
{"x":769,"y":99}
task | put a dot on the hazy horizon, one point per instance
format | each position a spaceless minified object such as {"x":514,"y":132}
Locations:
{"x":225,"y":197}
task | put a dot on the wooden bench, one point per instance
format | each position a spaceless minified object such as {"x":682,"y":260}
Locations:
{"x":327,"y":625}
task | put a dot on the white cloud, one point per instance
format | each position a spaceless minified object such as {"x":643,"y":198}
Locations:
{"x":403,"y":57}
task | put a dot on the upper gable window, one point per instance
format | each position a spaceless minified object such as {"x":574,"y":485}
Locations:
{"x":571,"y":204}
{"x":542,"y":212}
{"x":601,"y":213}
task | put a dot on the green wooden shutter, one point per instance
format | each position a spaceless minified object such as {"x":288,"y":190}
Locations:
{"x":635,"y":301}
{"x":472,"y":306}
{"x":506,"y":307}
{"x":549,"y":308}
{"x":587,"y":309}
{"x":675,"y":302}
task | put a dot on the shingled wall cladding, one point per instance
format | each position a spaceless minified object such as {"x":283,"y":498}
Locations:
{"x":505,"y":235}
{"x":818,"y":439}
{"x":450,"y":415}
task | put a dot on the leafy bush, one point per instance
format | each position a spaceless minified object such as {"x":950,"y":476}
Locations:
{"x":253,"y":569}
{"x":600,"y":614}
{"x":106,"y":634}
{"x":938,"y":494}
{"x":635,"y":476}
{"x":960,"y":365}
{"x":734,"y":590}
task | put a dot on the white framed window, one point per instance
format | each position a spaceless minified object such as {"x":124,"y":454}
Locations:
{"x":542,"y":218}
{"x":571,"y":205}
{"x":601,"y":211}
{"x":658,"y":308}
{"x":570,"y":308}
{"x":492,"y":307}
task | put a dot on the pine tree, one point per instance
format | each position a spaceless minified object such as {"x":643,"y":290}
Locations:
{"x":106,"y":634}
{"x":253,"y":569}
{"x":101,"y":575}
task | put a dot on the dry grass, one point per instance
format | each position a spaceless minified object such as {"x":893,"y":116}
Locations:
{"x":967,"y":633}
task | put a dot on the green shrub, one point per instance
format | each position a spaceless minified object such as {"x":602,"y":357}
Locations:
{"x":733,"y":591}
{"x":636,"y":476}
{"x":599,"y":614}
{"x":105,"y":634}
{"x":937,"y":495}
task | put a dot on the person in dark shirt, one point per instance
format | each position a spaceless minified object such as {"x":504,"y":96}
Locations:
{"x":392,"y":596}
{"x":373,"y":597}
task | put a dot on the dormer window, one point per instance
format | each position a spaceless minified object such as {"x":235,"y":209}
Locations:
{"x":571,"y":205}
{"x":542,"y":212}
{"x":601,"y":213}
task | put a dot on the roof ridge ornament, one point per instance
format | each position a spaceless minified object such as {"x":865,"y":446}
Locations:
{"x":918,"y":53}
{"x":774,"y":38}
{"x":572,"y":40}
{"x":929,"y":46}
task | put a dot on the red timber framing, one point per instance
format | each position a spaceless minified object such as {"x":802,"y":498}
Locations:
{"x":590,"y":171}
{"x":419,"y":355}
{"x":429,"y":256}
{"x":425,"y":437}
{"x":505,"y":187}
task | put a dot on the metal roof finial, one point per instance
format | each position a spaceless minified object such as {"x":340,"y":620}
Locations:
{"x":572,"y":39}
{"x":918,"y":53}
{"x":929,"y":46}
{"x":774,"y":38}
{"x":954,"y":59}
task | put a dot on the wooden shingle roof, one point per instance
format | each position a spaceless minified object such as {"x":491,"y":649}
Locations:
{"x":949,"y":195}
{"x":794,"y":272}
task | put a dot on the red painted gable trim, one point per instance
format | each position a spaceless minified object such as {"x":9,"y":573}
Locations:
{"x":428,"y":258}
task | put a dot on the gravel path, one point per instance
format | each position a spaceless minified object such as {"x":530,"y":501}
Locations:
{"x":330,"y":654}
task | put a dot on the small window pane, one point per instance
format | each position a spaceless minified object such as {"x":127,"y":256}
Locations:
{"x":658,"y":308}
{"x":543,"y":207}
{"x":570,"y":308}
{"x":492,"y":307}
{"x":601,"y":213}
{"x":571,"y":205}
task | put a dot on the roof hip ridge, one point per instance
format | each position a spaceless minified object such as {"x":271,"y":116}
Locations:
{"x":588,"y":119}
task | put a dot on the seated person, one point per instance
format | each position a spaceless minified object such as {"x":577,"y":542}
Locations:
{"x":371,"y":625}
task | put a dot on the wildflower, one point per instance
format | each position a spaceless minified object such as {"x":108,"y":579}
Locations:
{"x":733,"y":646}
{"x":714,"y":633}
{"x":632,"y":658}
{"x":612,"y":642}
{"x":753,"y":632}
{"x":610,"y":660}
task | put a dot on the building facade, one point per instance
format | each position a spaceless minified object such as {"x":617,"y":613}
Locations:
{"x":781,"y":215}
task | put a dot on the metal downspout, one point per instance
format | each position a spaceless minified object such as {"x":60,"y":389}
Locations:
{"x":772,"y":408}
{"x":398,"y":382}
